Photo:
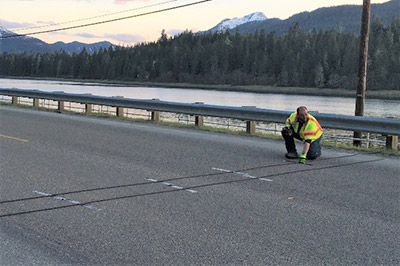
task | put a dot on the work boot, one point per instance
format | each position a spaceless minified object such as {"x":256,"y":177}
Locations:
{"x":292,"y":155}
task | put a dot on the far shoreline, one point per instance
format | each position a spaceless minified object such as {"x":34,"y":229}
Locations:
{"x":326,"y":92}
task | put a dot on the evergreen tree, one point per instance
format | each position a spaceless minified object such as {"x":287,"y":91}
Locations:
{"x":300,"y":58}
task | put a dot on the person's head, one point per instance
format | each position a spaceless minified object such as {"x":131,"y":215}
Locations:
{"x":302,"y":114}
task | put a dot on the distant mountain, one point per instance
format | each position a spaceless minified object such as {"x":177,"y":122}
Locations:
{"x":34,"y":45}
{"x":228,"y":24}
{"x":21,"y":44}
{"x":77,"y":47}
{"x":346,"y":18}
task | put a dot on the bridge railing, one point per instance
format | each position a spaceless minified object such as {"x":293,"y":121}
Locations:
{"x":388,"y":127}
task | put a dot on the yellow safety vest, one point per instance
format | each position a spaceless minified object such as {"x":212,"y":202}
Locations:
{"x":311,"y":130}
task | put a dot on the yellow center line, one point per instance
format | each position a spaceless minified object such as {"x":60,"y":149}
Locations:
{"x":13,"y":138}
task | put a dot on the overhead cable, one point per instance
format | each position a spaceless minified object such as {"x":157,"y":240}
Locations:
{"x":105,"y":21}
{"x":94,"y":17}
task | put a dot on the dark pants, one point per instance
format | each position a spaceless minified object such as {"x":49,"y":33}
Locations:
{"x":315,"y":147}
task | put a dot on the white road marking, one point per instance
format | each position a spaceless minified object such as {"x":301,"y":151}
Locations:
{"x":73,"y":202}
{"x":245,"y":174}
{"x":222,"y":170}
{"x":240,"y":173}
{"x":266,"y":179}
{"x":91,"y":207}
{"x":59,"y":198}
{"x":41,"y":193}
{"x":171,"y":185}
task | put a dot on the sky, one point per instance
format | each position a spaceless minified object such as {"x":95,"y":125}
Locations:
{"x":17,"y":14}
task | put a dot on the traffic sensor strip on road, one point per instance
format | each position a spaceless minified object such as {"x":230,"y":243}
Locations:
{"x":249,"y":177}
{"x":171,"y":185}
{"x":74,"y":202}
{"x":241,"y":173}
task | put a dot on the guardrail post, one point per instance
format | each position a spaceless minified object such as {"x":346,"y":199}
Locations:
{"x":250,"y":125}
{"x":60,"y":106}
{"x":199,"y":119}
{"x":155,"y":115}
{"x":392,"y":142}
{"x":120,"y":110}
{"x":35,"y":102}
{"x":88,"y":106}
{"x":14,"y":100}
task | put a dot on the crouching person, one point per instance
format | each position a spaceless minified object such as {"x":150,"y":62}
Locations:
{"x":302,"y":126}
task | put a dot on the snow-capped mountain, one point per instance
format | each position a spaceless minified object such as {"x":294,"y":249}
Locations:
{"x":20,"y":44}
{"x":347,"y":18}
{"x":228,"y":24}
{"x":4,"y":32}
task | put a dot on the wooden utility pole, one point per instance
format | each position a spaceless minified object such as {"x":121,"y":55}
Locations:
{"x":362,"y":65}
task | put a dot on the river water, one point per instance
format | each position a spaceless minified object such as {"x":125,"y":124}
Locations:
{"x":336,"y":105}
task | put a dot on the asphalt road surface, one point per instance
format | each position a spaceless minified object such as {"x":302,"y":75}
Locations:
{"x":79,"y":190}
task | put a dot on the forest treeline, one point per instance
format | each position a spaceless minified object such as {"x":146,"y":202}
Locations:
{"x":325,"y":59}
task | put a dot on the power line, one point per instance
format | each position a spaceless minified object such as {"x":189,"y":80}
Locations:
{"x":94,"y":17}
{"x":105,"y":21}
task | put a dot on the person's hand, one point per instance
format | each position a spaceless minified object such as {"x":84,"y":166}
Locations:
{"x":287,"y":131}
{"x":303,"y":158}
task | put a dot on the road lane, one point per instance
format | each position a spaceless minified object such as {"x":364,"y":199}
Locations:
{"x":344,"y":209}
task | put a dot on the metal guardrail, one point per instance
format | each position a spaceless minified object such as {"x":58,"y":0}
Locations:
{"x":384,"y":126}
